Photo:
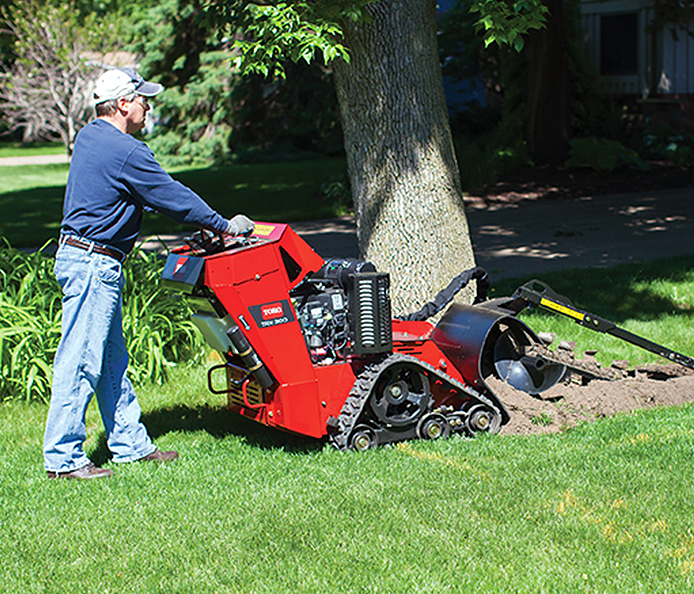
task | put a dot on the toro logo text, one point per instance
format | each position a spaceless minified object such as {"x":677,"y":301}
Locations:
{"x":272,"y":314}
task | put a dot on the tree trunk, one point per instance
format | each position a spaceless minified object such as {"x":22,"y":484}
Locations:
{"x":548,"y":127}
{"x":401,"y":162}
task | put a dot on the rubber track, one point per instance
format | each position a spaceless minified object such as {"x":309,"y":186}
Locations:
{"x":363,"y":386}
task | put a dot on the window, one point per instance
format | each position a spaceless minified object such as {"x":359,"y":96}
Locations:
{"x":619,"y":44}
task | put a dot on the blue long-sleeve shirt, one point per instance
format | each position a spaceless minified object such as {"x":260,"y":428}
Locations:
{"x":112,"y":178}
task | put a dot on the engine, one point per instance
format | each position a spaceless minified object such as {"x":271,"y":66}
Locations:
{"x":344,"y":309}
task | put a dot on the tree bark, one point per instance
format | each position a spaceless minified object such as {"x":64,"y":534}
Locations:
{"x":401,"y":161}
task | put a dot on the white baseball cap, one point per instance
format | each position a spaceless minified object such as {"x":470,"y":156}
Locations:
{"x":120,"y":82}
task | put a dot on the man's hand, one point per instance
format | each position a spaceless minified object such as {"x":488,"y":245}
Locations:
{"x":240,"y":225}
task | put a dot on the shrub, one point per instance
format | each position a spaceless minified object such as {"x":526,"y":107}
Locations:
{"x":337,"y":191}
{"x":602,"y":154}
{"x":670,"y":146}
{"x":30,"y":315}
{"x":156,"y":324}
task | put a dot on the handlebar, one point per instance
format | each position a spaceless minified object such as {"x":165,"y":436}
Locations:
{"x":209,"y":243}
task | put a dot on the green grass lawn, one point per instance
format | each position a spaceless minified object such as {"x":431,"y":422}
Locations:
{"x":31,"y":196}
{"x":605,"y":507}
{"x":19,"y":149}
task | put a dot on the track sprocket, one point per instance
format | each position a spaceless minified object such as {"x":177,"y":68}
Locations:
{"x":372,"y":408}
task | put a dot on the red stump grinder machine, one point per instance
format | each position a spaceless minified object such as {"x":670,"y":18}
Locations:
{"x":309,"y":346}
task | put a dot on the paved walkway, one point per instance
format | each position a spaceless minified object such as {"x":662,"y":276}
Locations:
{"x":33,"y":160}
{"x":333,"y":238}
{"x":533,"y":237}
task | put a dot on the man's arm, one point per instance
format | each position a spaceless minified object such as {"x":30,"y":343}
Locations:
{"x":153,"y":187}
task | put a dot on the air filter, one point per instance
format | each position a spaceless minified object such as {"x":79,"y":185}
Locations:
{"x":370,"y":313}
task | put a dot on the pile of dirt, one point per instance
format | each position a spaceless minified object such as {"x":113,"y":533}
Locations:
{"x":567,"y":405}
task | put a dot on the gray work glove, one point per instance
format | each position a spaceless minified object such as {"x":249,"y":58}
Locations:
{"x":240,"y":225}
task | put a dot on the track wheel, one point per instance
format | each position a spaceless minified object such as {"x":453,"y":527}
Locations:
{"x":433,"y":426}
{"x":363,"y":438}
{"x":482,"y":419}
{"x":401,"y":395}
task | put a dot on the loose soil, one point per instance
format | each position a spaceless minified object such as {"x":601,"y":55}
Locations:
{"x":567,"y":405}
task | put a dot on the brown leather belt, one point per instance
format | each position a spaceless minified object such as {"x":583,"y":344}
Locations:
{"x":95,"y":247}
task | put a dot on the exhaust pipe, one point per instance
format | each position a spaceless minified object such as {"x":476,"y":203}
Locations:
{"x":249,"y":357}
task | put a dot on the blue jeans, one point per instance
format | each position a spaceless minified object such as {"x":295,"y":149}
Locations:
{"x":91,"y":359}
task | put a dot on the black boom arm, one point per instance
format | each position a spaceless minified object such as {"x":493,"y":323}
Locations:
{"x":536,"y":293}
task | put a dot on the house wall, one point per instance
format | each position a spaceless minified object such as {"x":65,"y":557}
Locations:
{"x":591,"y":16}
{"x":671,"y":67}
{"x":677,"y":76}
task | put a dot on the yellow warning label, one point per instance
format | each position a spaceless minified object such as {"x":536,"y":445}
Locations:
{"x":263,"y":230}
{"x":562,"y":309}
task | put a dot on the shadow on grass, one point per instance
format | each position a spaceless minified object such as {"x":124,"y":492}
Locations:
{"x":280,"y":192}
{"x":624,"y":292}
{"x":31,"y":217}
{"x":217,"y":422}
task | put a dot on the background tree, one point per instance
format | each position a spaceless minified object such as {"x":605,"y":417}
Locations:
{"x":401,"y":161}
{"x":292,"y":117}
{"x":541,"y":96}
{"x":46,"y":91}
{"x":465,"y":58}
{"x":402,"y":165}
{"x":208,"y":111}
{"x":548,"y":123}
{"x":178,"y":49}
{"x":170,"y":36}
{"x":533,"y":80}
{"x":6,"y":40}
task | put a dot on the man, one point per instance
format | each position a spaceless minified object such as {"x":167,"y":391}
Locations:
{"x":112,"y":178}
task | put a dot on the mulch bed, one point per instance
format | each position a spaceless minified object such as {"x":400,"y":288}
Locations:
{"x":561,"y":183}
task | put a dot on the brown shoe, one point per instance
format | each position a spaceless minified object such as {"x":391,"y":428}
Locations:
{"x":86,"y":472}
{"x":159,"y":456}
